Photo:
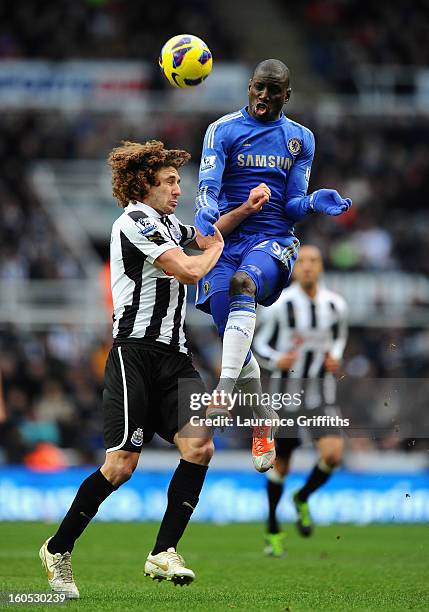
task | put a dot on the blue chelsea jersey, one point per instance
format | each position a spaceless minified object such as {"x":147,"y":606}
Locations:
{"x":239,"y":152}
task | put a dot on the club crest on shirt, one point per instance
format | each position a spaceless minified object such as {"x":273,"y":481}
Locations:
{"x":137,"y":437}
{"x":206,"y":287}
{"x":294,"y":145}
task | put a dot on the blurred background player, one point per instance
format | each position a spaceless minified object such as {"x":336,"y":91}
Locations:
{"x":303,"y":336}
{"x":258,"y":143}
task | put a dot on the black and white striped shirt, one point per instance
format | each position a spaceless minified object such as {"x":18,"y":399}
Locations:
{"x":148,"y":304}
{"x":311,"y":327}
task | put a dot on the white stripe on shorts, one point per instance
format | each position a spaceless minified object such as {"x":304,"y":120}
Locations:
{"x":124,"y":384}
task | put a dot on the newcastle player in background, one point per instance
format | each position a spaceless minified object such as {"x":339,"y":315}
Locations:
{"x":303,"y":336}
{"x":256,"y":144}
{"x":149,"y":273}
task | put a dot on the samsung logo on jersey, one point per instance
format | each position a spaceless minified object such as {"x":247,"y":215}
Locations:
{"x":264,"y":161}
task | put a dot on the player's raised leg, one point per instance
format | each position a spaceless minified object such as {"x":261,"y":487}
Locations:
{"x":331,"y":452}
{"x":240,"y":326}
{"x":239,"y":367}
{"x":249,"y":384}
{"x":164,"y":563}
{"x":260,"y":278}
{"x":269,"y":275}
{"x":214,"y":290}
{"x":55,"y":553}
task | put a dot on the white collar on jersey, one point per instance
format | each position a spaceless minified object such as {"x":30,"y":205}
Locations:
{"x":305,"y":295}
{"x":151,"y":212}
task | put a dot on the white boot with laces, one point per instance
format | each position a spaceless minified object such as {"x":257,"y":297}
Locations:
{"x":59,"y":570}
{"x":168,"y":565}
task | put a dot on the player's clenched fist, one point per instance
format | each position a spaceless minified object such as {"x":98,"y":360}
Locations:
{"x":258,"y":196}
{"x":205,"y":242}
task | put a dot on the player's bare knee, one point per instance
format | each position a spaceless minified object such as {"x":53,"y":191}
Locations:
{"x":200,"y":452}
{"x":241,"y":283}
{"x":119,"y":467}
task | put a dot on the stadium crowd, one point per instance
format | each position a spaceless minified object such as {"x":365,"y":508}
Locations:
{"x":99,"y":29}
{"x":52,"y":384}
{"x":341,"y":36}
{"x":350,"y":156}
{"x":29,"y":246}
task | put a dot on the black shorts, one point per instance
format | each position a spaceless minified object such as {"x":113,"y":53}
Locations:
{"x":286,"y":446}
{"x":287,"y":442}
{"x":140,"y":397}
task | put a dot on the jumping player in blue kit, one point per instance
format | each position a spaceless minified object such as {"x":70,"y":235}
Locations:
{"x":255,"y":146}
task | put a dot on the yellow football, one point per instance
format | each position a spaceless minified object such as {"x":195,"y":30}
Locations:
{"x":185,"y":60}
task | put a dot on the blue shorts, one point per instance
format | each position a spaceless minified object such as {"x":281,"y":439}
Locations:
{"x":238,"y":255}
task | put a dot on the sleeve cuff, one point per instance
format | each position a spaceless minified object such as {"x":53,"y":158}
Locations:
{"x":160,"y":250}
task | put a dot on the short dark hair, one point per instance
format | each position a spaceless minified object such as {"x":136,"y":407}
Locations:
{"x":273,"y":65}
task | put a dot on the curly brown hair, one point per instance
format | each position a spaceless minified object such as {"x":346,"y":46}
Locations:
{"x":134,"y":167}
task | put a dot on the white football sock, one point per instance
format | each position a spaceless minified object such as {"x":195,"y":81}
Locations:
{"x":249,"y":382}
{"x":237,"y":338}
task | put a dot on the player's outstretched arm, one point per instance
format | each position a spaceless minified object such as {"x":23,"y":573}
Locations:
{"x":298,"y":203}
{"x":329,"y":202}
{"x":258,"y":196}
{"x":189,"y":269}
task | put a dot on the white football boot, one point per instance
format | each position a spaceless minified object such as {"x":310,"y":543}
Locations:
{"x":59,"y":570}
{"x":263,"y":448}
{"x":168,"y":565}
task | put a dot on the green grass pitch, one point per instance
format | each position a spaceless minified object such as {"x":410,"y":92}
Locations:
{"x":339,"y":568}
